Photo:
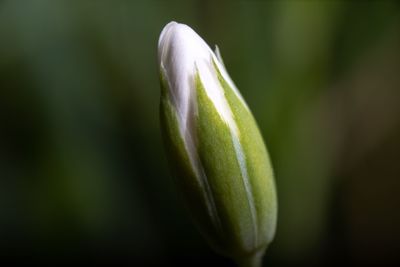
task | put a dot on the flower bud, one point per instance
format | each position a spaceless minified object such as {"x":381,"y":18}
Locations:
{"x":215,"y":148}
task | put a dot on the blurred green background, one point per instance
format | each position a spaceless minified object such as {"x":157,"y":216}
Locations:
{"x":83,"y":176}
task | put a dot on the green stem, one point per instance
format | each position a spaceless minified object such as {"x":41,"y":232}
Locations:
{"x":253,"y":260}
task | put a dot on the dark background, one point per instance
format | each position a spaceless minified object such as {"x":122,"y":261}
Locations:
{"x":83,"y":175}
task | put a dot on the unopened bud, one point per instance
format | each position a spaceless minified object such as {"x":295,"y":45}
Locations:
{"x":215,"y":148}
